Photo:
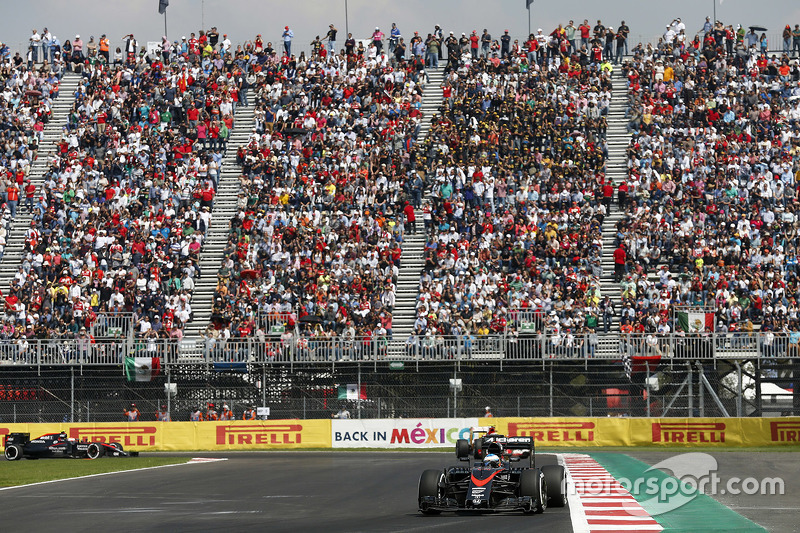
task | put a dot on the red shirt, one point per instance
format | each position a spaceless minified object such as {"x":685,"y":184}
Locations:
{"x":409,"y":212}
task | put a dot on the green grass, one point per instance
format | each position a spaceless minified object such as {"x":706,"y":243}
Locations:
{"x":25,"y":471}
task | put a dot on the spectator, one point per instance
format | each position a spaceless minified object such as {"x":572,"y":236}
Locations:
{"x":342,"y":414}
{"x":288,"y":35}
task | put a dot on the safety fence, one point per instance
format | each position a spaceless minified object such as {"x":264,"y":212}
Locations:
{"x":290,"y":348}
{"x":426,"y":433}
{"x":437,"y":389}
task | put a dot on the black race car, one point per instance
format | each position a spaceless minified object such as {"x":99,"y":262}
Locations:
{"x":504,"y":478}
{"x":19,"y":445}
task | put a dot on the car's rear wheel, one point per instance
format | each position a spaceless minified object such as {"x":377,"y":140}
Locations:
{"x":13,"y":452}
{"x":477,"y":448}
{"x":94,"y":451}
{"x":462,"y":448}
{"x":556,"y":479}
{"x":429,"y":486}
{"x":532,"y":483}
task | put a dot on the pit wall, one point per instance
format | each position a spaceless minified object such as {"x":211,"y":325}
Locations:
{"x":426,"y":433}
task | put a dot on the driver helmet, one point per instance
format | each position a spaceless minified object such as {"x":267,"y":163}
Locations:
{"x":492,"y":460}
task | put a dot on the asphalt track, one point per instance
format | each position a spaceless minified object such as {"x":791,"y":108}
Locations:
{"x":340,"y":491}
{"x":777,"y":512}
{"x":277,"y":491}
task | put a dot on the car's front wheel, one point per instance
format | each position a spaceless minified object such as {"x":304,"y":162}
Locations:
{"x":13,"y":452}
{"x":429,"y":486}
{"x":556,"y":479}
{"x":532,"y":483}
{"x":94,"y":451}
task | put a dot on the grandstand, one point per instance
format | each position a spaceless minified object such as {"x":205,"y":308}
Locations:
{"x":203,"y":205}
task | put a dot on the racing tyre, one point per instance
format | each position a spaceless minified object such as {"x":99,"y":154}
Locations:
{"x":556,"y":480}
{"x":462,"y":448}
{"x":94,"y":451}
{"x":13,"y":452}
{"x":117,"y":446}
{"x":532,"y":483}
{"x":429,"y":486}
{"x":477,"y":448}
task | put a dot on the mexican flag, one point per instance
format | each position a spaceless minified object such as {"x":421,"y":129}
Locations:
{"x":351,"y":392}
{"x":142,"y":368}
{"x":695,"y":322}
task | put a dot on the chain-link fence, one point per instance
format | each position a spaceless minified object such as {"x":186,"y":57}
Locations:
{"x":433,"y":389}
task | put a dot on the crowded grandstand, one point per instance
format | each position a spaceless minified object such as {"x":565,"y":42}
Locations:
{"x":510,"y":176}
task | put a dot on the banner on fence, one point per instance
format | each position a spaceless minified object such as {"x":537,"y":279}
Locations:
{"x":400,"y":433}
{"x":191,"y":436}
{"x":426,"y":432}
{"x":667,"y":432}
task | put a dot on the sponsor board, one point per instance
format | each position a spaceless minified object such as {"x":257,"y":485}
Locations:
{"x":667,"y":432}
{"x":579,"y":431}
{"x":189,"y":436}
{"x":787,"y":432}
{"x":426,"y":432}
{"x":400,"y":433}
{"x":689,"y":432}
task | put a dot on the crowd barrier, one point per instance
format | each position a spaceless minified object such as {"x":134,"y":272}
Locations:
{"x":304,"y":350}
{"x":428,"y":433}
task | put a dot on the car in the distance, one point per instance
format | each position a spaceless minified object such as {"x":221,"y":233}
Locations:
{"x":58,"y":445}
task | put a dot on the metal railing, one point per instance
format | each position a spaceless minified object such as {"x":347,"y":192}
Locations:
{"x":113,"y":326}
{"x":291,"y":349}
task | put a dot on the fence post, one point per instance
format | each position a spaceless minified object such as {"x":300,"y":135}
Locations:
{"x":304,"y":408}
{"x":518,"y":411}
{"x":169,"y":395}
{"x":690,"y":407}
{"x":739,"y":390}
{"x":647,"y":387}
{"x":359,"y":390}
{"x":551,"y":388}
{"x":72,"y":394}
{"x":701,"y":400}
{"x":264,"y":385}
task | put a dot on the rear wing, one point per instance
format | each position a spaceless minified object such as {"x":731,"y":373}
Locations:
{"x":512,"y":448}
{"x":16,"y":438}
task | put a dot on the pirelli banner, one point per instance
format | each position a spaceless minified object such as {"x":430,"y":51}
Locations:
{"x":583,"y":432}
{"x":191,"y":436}
{"x":426,"y":433}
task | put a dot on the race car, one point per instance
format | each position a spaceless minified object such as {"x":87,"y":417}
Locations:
{"x":19,"y":445}
{"x":505,"y":478}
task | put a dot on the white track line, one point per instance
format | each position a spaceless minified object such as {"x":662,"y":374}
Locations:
{"x":197,"y":460}
{"x":576,"y":513}
{"x":598,"y":502}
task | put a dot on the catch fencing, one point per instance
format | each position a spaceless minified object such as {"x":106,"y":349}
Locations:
{"x":435,"y":389}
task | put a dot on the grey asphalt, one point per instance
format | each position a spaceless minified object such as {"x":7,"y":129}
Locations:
{"x":275,"y":491}
{"x":775,"y":512}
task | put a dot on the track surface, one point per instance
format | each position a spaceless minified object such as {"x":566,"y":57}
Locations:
{"x":774,"y":512}
{"x":279,"y":491}
{"x":342,"y":491}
